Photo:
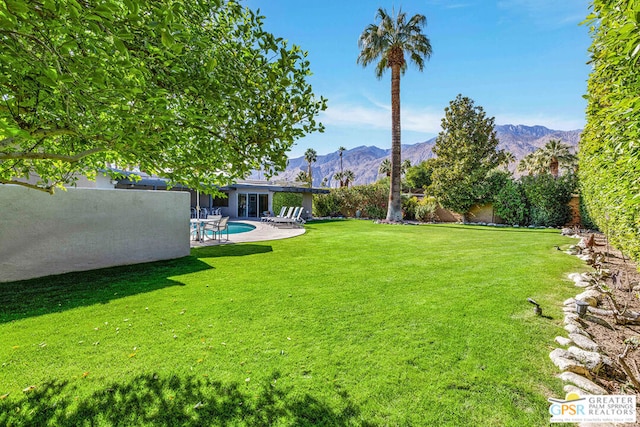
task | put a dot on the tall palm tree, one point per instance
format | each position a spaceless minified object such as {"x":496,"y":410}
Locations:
{"x":310,"y":156}
{"x":340,"y":151}
{"x":556,"y":154}
{"x":338,"y":176}
{"x":386,"y":43}
{"x":385,"y":167}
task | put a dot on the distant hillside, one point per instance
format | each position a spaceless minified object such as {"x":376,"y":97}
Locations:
{"x":364,"y":161}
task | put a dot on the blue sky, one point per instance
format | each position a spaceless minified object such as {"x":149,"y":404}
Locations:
{"x":523,"y":61}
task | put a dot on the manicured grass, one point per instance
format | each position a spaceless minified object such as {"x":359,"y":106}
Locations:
{"x":350,"y":324}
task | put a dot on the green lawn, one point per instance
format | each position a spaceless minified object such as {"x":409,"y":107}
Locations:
{"x":352,"y":323}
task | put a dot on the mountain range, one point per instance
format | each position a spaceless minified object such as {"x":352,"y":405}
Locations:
{"x":364,"y":161}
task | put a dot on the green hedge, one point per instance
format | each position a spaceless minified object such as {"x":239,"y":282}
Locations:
{"x":370,"y":200}
{"x":609,"y":150}
{"x":285,"y":199}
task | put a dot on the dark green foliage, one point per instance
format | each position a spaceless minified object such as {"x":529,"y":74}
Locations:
{"x":419,"y":176}
{"x":371,"y":200}
{"x":511,"y":203}
{"x":585,"y":217}
{"x":286,"y":199}
{"x":609,"y":154}
{"x":466,"y":150}
{"x":548,"y":198}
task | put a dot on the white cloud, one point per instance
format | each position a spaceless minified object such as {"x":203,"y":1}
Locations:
{"x":379,"y":117}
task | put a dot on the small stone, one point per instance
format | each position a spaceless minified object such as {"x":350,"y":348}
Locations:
{"x":573,"y":389}
{"x":568,"y":309}
{"x":571,"y":317}
{"x":561,"y":358}
{"x":590,"y":296}
{"x":592,"y":360}
{"x":582,"y":382}
{"x":575,"y":276}
{"x":570,"y":301}
{"x":573,"y":329}
{"x":563,"y":341}
{"x":584,"y":342}
{"x":582,"y":284}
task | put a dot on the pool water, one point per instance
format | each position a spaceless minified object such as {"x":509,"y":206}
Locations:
{"x":236,"y":228}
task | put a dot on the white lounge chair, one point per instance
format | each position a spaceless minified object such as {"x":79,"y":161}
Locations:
{"x":292,"y":220}
{"x":275,"y":219}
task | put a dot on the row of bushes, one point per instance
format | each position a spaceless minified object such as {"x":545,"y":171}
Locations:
{"x":533,"y":200}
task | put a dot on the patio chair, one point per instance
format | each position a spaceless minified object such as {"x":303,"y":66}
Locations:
{"x":211,"y":224}
{"x":222,"y":226}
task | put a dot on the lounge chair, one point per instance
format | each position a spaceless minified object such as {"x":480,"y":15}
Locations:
{"x":291,"y":220}
{"x":275,"y":219}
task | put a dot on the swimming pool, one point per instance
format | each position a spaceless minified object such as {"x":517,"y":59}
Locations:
{"x":235,"y":228}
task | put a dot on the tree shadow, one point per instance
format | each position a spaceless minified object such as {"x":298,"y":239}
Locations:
{"x":239,"y":249}
{"x":186,"y":401}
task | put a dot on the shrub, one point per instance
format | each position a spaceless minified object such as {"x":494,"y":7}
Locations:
{"x":510,"y":203}
{"x":426,"y":209}
{"x":409,"y":205}
{"x":286,"y":199}
{"x":371,"y":200}
{"x":326,"y":205}
{"x":548,"y":198}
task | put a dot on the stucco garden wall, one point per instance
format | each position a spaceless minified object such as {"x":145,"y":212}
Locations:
{"x":85,"y":229}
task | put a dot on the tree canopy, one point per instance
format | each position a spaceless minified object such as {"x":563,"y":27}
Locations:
{"x":466,"y":154}
{"x":194,"y":91}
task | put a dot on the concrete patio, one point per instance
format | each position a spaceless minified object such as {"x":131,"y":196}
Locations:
{"x":262,"y":232}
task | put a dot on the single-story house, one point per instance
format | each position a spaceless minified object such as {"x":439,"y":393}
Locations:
{"x":244,"y":199}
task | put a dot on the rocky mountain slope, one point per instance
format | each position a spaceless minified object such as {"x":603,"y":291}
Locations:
{"x":364,"y":161}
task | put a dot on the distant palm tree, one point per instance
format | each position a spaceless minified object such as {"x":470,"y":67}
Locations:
{"x":406,"y":164}
{"x":530,"y":164}
{"x":556,"y":154}
{"x":339,"y":176}
{"x":508,"y":159}
{"x":385,"y":167}
{"x":303,"y":177}
{"x":386,"y":43}
{"x":348,"y":176}
{"x":340,"y":151}
{"x":310,"y":156}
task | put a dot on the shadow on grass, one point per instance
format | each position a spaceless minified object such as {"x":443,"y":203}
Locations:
{"x":54,"y":294}
{"x":186,"y":401}
{"x":239,"y":249}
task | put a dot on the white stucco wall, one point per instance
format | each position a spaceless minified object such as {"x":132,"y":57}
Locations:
{"x":84,"y":229}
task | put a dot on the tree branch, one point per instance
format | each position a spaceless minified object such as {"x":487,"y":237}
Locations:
{"x":51,"y":156}
{"x":48,"y":189}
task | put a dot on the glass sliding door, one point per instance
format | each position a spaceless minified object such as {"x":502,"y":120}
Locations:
{"x":252,"y":207}
{"x":242,"y":205}
{"x":263,"y":203}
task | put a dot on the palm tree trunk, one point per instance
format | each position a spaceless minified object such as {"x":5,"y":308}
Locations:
{"x":394,"y":211}
{"x":554,"y":167}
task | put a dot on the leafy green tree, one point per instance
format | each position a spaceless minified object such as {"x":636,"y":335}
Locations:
{"x":386,"y":42}
{"x":531,"y":164}
{"x":419,"y":176}
{"x":466,"y":154}
{"x":197,"y":92}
